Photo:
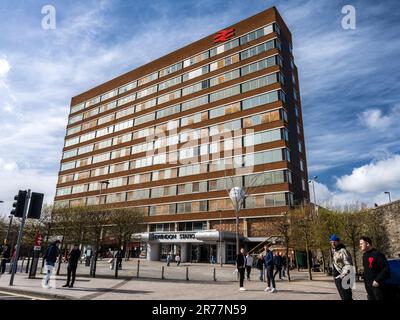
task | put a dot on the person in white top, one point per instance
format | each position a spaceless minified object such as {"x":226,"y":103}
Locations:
{"x":249,"y":265}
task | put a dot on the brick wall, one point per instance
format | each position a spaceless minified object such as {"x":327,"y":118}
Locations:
{"x":390,"y":217}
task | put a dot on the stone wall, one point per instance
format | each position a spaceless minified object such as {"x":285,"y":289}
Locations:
{"x":390,"y":217}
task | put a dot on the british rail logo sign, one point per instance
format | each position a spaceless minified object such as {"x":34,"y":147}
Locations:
{"x":224,"y":35}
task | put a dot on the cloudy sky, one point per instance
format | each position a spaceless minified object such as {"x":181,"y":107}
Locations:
{"x":349,"y":81}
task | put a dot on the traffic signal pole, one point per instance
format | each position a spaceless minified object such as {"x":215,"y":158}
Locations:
{"x":21,"y":230}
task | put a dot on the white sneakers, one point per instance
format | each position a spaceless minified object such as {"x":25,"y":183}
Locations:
{"x":273,"y":290}
{"x":242,"y":289}
{"x":268,"y":289}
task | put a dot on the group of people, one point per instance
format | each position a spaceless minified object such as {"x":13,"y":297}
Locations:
{"x":177,"y":259}
{"x":266,"y":262}
{"x":375,"y":266}
{"x":50,"y":256}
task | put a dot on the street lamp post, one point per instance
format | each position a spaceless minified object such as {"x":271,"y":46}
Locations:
{"x":9,"y":228}
{"x":220,"y":238}
{"x":313,"y":187}
{"x":237,"y":196}
{"x":388,"y":193}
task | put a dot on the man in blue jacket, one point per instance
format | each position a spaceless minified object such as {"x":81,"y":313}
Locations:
{"x":51,"y":256}
{"x":269,"y":266}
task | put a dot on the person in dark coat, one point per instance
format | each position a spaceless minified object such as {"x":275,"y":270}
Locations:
{"x":73,"y":259}
{"x":260,"y":266}
{"x":50,"y":256}
{"x":269,"y":266}
{"x":241,"y":267}
{"x":5,"y":257}
{"x":278,"y":263}
{"x":376,"y":270}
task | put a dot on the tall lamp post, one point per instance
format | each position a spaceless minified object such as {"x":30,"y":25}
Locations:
{"x":220,"y":237}
{"x":237,"y":196}
{"x":313,"y":187}
{"x":9,"y":228}
{"x":388,"y":193}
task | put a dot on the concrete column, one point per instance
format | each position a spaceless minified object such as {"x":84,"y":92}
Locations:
{"x":153,"y":251}
{"x":245,"y":230}
{"x":222,"y":247}
{"x":176,"y":226}
{"x":185,"y":252}
{"x":208,"y":225}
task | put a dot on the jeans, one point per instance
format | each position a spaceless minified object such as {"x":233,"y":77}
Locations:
{"x":270,"y":276}
{"x":374,"y":293}
{"x":241,"y":276}
{"x":248,"y":269}
{"x":71,"y":271}
{"x":278,"y":270}
{"x":345,"y":294}
{"x":262,"y":274}
{"x":49,"y":269}
{"x":3,"y":265}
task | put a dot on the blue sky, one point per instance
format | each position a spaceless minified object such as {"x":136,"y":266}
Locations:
{"x":349,"y":81}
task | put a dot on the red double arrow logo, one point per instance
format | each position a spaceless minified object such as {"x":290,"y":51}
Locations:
{"x":224,"y":35}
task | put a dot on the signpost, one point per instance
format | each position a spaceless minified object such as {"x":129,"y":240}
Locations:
{"x":36,"y":251}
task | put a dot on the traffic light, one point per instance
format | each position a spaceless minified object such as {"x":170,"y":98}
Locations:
{"x":35,"y":206}
{"x":19,"y":204}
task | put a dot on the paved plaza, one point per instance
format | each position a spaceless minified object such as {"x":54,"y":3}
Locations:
{"x":149,"y":286}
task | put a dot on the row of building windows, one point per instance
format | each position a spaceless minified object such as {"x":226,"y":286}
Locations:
{"x":247,"y":122}
{"x":245,"y":104}
{"x":181,"y":226}
{"x":194,"y":88}
{"x":274,"y":43}
{"x":178,"y":66}
{"x":162,"y":141}
{"x":209,"y":146}
{"x":252,"y":180}
{"x":186,"y":170}
{"x":254,"y":201}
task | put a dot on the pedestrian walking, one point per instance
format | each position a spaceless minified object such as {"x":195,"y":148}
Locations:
{"x":178,"y":259}
{"x":118,"y":258}
{"x":50,"y":256}
{"x":260,"y":266}
{"x":284,"y":266}
{"x":73,"y":259}
{"x":376,"y":270}
{"x":269,"y":266}
{"x":342,"y":266}
{"x":278,"y":265}
{"x":249,"y":265}
{"x":5,"y":257}
{"x":241,"y":266}
{"x":169,"y":259}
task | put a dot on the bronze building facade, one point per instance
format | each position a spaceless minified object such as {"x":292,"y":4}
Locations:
{"x":173,"y":136}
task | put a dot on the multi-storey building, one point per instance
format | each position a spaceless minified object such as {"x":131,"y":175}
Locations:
{"x":173,"y":136}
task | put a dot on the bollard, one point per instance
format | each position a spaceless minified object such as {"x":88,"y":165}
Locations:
{"x":116,"y":268}
{"x":215,"y":278}
{"x":137,"y":271}
{"x":22,"y":264}
{"x":187,"y":273}
{"x":162,"y":273}
{"x":27,"y":264}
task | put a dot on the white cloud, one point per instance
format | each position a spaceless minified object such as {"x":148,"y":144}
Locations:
{"x":4,"y":67}
{"x":375,"y":119}
{"x":383,"y":174}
